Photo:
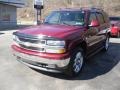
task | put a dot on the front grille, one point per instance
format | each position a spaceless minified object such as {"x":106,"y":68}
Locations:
{"x":32,"y":48}
{"x":23,"y":44}
{"x":31,"y":42}
{"x":28,"y":40}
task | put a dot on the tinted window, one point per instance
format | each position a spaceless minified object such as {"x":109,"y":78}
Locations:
{"x":92,"y":17}
{"x":100,"y":18}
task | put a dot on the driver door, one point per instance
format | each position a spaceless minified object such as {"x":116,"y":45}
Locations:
{"x":92,"y":34}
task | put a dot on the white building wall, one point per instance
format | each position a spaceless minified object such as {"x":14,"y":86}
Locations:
{"x":8,"y":11}
{"x":17,"y":3}
{"x":8,"y":15}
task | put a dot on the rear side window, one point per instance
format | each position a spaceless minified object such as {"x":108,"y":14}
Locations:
{"x":100,"y":18}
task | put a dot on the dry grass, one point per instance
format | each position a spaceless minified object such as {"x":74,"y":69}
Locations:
{"x":112,"y":7}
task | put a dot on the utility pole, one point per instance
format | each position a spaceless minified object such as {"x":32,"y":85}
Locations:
{"x":38,"y":5}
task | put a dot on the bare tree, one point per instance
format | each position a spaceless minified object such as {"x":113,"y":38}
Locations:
{"x":69,"y":2}
{"x":101,"y":4}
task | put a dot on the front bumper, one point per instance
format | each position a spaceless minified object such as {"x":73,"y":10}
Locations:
{"x":43,"y":64}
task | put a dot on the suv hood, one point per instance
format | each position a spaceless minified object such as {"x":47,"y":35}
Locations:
{"x":58,"y":31}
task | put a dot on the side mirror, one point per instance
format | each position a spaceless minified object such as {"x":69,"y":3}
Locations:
{"x":94,"y":23}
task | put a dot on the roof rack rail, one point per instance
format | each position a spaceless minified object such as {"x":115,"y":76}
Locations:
{"x":82,"y":8}
{"x":69,"y":8}
{"x":94,"y":8}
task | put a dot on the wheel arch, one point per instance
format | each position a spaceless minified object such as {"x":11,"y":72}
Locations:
{"x":82,"y":45}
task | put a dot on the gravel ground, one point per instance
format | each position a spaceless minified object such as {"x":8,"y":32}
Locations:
{"x":101,"y":72}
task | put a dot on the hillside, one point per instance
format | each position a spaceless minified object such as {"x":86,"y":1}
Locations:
{"x":112,"y":7}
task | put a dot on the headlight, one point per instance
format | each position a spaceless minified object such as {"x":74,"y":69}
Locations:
{"x":55,"y":46}
{"x":55,"y":43}
{"x":16,"y":40}
{"x":14,"y":37}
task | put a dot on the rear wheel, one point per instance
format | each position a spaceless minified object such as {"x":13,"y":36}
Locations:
{"x":106,"y":44}
{"x":76,"y":62}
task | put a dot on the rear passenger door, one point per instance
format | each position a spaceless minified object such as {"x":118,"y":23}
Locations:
{"x":103,"y":28}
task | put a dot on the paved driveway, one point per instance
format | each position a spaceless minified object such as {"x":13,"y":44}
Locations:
{"x":101,"y":72}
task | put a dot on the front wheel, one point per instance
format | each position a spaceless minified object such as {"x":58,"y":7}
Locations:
{"x":76,"y":62}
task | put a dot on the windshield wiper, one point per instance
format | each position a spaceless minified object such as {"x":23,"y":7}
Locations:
{"x":66,"y":23}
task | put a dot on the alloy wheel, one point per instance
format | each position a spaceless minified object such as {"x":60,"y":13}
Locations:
{"x":78,"y":62}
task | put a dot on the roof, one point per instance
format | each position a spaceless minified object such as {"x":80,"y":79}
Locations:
{"x":80,"y":9}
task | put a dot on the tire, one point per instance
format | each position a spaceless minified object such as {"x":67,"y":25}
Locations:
{"x":106,"y":44}
{"x":76,"y":62}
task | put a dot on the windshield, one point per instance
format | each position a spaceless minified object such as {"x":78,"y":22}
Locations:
{"x":65,"y":17}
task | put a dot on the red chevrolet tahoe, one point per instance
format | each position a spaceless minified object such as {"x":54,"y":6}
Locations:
{"x":64,"y":41}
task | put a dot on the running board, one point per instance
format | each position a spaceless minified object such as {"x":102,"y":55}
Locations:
{"x":94,"y":52}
